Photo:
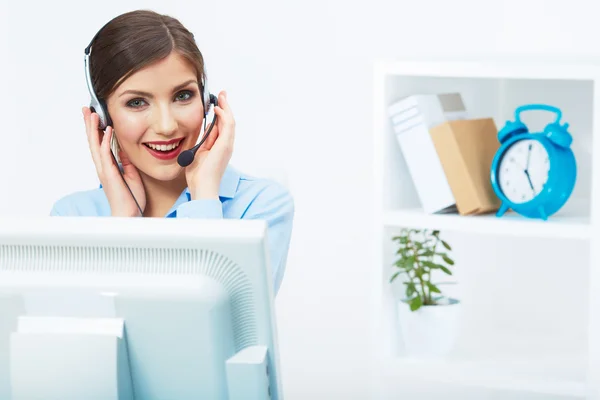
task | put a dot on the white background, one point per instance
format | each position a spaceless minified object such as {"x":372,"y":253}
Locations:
{"x":299,"y":79}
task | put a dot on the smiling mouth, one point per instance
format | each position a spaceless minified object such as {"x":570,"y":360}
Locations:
{"x":165,"y":148}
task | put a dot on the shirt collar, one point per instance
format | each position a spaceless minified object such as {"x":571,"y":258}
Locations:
{"x":228,"y":187}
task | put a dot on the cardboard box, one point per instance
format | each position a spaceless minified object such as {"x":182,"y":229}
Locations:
{"x":466,"y":149}
{"x":411,"y":119}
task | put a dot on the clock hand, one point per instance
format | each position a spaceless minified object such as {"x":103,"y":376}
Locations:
{"x":528,"y":157}
{"x":529,"y":179}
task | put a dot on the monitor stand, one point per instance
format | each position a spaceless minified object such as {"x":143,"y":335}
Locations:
{"x":248,"y":374}
{"x":54,"y":358}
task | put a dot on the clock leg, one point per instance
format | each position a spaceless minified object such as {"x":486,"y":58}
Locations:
{"x":503,"y":208}
{"x":543,"y":213}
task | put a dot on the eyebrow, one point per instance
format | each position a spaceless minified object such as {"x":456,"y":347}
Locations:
{"x":146,"y":94}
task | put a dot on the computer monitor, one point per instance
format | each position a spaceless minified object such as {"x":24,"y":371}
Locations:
{"x":136,"y":308}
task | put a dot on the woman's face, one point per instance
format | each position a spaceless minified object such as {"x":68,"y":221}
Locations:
{"x":157,"y":113}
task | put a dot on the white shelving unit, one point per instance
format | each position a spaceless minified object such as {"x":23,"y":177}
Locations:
{"x":530,"y":290}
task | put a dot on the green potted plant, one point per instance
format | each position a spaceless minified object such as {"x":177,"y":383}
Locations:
{"x":428,"y":319}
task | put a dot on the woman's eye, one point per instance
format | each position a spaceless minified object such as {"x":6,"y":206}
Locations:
{"x":136,"y":103}
{"x":183,"y":96}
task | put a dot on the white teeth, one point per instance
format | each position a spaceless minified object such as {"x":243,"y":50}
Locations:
{"x":163,"y":147}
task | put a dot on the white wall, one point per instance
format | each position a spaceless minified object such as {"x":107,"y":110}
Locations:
{"x":299,"y":78}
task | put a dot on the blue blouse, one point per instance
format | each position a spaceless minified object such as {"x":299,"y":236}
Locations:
{"x":240,"y":196}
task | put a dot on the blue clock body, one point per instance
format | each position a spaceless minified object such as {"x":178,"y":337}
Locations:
{"x":534,"y":174}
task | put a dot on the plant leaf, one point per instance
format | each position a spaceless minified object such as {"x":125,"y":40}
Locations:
{"x":433,"y":288}
{"x":402,"y":250}
{"x":418,"y":272}
{"x":426,"y":253}
{"x":405,"y":263}
{"x":416,"y":303}
{"x":446,"y":270}
{"x":446,"y":245}
{"x":410,"y":289}
{"x":394,"y":276}
{"x":430,"y":264}
{"x":448,"y":259}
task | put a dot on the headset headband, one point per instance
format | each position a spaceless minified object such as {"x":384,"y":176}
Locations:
{"x":89,"y":46}
{"x":99,"y":106}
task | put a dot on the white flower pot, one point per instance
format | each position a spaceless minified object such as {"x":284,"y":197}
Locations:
{"x":430,"y":331}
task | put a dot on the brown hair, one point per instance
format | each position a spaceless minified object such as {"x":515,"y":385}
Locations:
{"x":134,"y":40}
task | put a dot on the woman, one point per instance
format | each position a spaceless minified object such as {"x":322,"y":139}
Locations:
{"x":149,"y":73}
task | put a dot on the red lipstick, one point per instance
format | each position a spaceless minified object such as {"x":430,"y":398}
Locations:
{"x":164,"y":154}
{"x":159,"y":142}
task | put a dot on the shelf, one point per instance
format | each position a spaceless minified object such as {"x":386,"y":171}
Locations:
{"x":563,"y":377}
{"x":529,"y":322}
{"x":489,"y":90}
{"x":568,"y":226}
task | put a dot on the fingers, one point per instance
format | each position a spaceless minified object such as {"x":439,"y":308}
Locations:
{"x":129,"y":170}
{"x":124,"y":159}
{"x":212,"y":137}
{"x":106,"y":158}
{"x":222,"y":101}
{"x":86,"y":115}
{"x":91,"y":126}
{"x":226,"y":122}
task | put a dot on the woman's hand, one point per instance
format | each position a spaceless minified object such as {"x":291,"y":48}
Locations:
{"x":120,"y":200}
{"x":205,"y":173}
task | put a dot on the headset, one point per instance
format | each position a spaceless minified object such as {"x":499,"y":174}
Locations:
{"x":99,"y":106}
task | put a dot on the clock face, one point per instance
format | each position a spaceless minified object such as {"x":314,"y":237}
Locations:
{"x":523,"y":171}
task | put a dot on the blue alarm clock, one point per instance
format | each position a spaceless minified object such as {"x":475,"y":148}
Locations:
{"x":534,"y":173}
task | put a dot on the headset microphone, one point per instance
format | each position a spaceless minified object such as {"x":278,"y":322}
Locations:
{"x":186,"y":157}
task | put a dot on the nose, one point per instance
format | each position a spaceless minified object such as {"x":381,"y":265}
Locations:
{"x":165,"y":123}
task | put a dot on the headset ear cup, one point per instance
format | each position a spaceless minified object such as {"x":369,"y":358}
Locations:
{"x":105,"y":115}
{"x":205,"y":97}
{"x":510,"y":129}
